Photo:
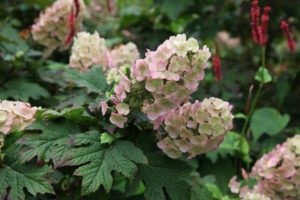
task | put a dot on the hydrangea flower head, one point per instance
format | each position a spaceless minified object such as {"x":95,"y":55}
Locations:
{"x":196,"y":128}
{"x":52,"y":28}
{"x":277,"y":172}
{"x":15,"y":116}
{"x":87,"y":50}
{"x":255,"y":196}
{"x":171,"y":74}
{"x":124,"y":55}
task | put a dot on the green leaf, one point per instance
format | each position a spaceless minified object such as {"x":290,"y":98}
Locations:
{"x":22,"y":90}
{"x":165,"y":174}
{"x":15,"y":177}
{"x":240,"y":116}
{"x":214,"y":190}
{"x":106,"y":138}
{"x":235,"y":145}
{"x":263,"y":75}
{"x":50,"y":144}
{"x":11,"y":40}
{"x":269,"y":121}
{"x":98,"y":161}
{"x":172,"y":8}
{"x":76,"y":114}
{"x":94,"y":79}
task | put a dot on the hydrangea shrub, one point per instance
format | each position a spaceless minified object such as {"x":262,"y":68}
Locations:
{"x":277,"y":173}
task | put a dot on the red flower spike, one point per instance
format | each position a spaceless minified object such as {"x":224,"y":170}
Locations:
{"x":259,"y":24}
{"x":109,"y":4}
{"x":255,"y":14}
{"x":77,"y":7}
{"x":217,"y":67}
{"x":71,"y":34}
{"x":284,"y":25}
{"x":264,"y":25}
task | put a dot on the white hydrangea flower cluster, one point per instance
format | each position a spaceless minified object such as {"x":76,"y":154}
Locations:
{"x":15,"y":116}
{"x":277,"y":173}
{"x":255,"y":196}
{"x":124,"y":55}
{"x":53,"y":26}
{"x":196,"y":128}
{"x":87,"y":50}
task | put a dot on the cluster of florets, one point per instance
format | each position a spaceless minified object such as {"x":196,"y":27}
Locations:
{"x":87,"y":50}
{"x":255,"y":196}
{"x":53,"y":26}
{"x":277,"y":173}
{"x":124,"y":55}
{"x":160,"y":85}
{"x":171,"y":74}
{"x":196,"y":128}
{"x":15,"y":116}
{"x":118,"y":115}
{"x":168,"y":75}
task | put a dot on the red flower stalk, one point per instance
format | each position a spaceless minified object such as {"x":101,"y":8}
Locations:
{"x":71,"y":27}
{"x":264,"y":25}
{"x":77,"y":7}
{"x":259,"y":24}
{"x":217,"y":67}
{"x":255,"y":13}
{"x":109,"y":4}
{"x":284,"y":25}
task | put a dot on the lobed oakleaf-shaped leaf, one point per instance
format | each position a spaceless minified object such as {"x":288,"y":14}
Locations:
{"x":98,"y":161}
{"x":93,"y":80}
{"x":269,"y":121}
{"x":164,"y":174}
{"x":15,"y":177}
{"x":51,"y":144}
{"x":22,"y":90}
{"x":75,"y":114}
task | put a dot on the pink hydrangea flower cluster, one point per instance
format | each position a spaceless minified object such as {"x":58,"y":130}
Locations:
{"x":15,"y":116}
{"x":52,"y":28}
{"x":277,"y":173}
{"x":171,"y":74}
{"x":87,"y":50}
{"x":160,"y":86}
{"x":196,"y":128}
{"x":118,"y":116}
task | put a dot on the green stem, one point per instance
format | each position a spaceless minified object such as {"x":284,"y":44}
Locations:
{"x":252,"y":109}
{"x":253,"y":105}
{"x":263,"y":57}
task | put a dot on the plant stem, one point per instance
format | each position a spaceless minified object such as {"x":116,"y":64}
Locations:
{"x":252,"y":109}
{"x":263,"y":57}
{"x":245,"y":130}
